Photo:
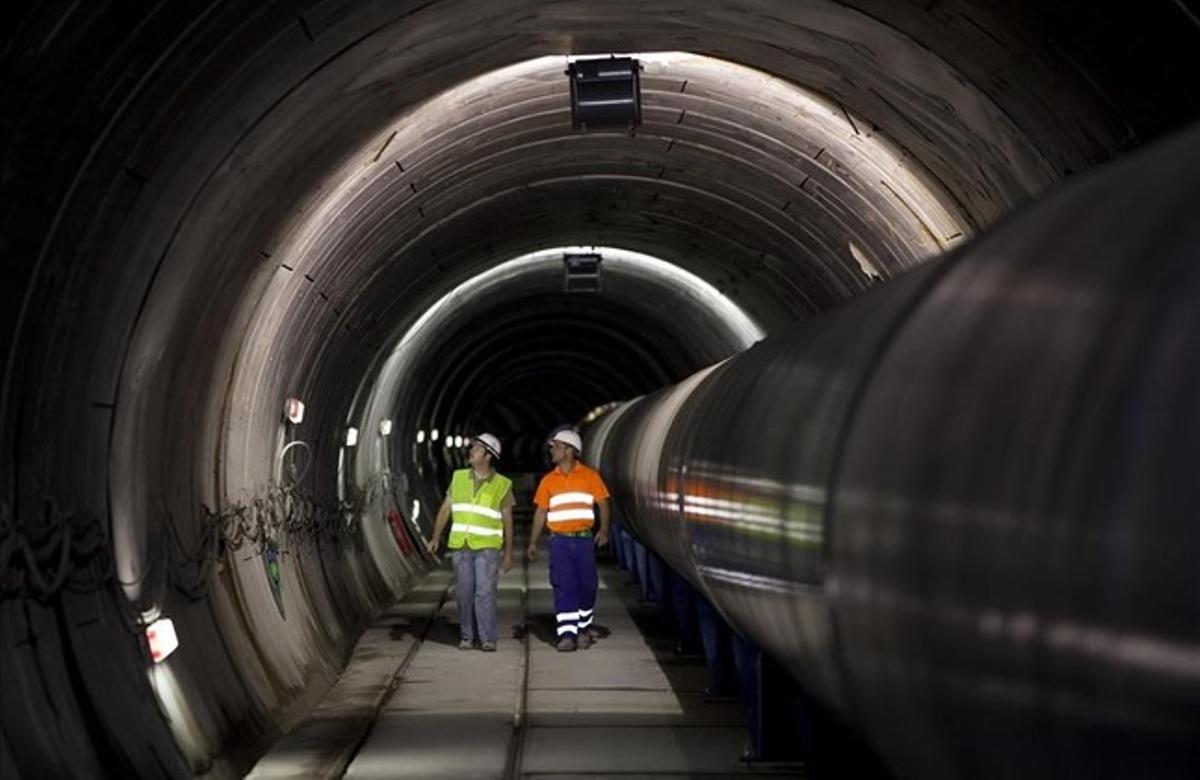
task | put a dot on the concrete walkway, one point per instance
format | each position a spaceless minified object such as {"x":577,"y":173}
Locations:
{"x":411,"y":704}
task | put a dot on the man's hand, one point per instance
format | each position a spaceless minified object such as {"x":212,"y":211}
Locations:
{"x":432,"y":545}
{"x":507,"y":563}
{"x":602,"y":538}
{"x":531,"y":553}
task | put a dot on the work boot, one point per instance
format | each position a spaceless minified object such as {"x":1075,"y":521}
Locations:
{"x":566,"y":644}
{"x":586,"y":640}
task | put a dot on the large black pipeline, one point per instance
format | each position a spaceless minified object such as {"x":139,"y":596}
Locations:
{"x":963,"y":510}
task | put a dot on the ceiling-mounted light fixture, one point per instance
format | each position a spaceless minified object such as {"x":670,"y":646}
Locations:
{"x":385,"y":427}
{"x":581,"y":271}
{"x":605,"y":92}
{"x":351,"y":436}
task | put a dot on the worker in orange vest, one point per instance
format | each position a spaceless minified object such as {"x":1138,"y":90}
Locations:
{"x":566,"y":501}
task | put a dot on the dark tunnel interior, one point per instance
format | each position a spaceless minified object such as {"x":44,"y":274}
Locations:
{"x":211,"y":207}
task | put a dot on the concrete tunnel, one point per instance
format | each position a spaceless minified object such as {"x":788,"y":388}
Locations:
{"x":212,"y":208}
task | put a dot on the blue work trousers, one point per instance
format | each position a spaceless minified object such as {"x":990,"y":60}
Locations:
{"x":477,"y":574}
{"x":574,"y":579}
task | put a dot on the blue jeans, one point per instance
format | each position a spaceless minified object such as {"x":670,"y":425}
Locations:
{"x":478,"y":574}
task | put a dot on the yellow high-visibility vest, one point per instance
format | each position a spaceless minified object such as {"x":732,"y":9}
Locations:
{"x":475,"y":515}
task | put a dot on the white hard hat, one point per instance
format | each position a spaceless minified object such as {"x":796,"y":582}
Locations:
{"x":490,"y":443}
{"x":570,"y":438}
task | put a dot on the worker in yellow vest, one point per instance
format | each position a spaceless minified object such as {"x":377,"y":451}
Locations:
{"x":480,"y":502}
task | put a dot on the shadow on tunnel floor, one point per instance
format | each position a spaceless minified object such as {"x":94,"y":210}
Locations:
{"x":441,"y":632}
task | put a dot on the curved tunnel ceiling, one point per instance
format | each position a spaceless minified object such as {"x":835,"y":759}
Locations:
{"x":510,"y":340}
{"x":209,"y":209}
{"x":784,"y":201}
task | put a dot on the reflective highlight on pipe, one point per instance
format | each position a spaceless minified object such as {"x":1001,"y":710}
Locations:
{"x":961,"y":509}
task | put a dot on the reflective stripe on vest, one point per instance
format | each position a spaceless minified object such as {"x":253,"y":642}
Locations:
{"x":559,"y":499}
{"x":477,"y":521}
{"x":569,"y":507}
{"x":477,"y":509}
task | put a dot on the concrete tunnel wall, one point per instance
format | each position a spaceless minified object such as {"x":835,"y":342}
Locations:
{"x":209,"y":207}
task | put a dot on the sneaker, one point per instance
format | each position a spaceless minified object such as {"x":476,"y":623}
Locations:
{"x":488,"y":647}
{"x":566,"y":644}
{"x":586,"y":640}
{"x":465,"y":644}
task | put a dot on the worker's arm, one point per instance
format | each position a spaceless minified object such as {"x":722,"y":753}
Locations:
{"x":539,"y":522}
{"x":602,"y":534}
{"x":439,"y":526}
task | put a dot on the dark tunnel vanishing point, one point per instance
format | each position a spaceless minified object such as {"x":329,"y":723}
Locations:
{"x":952,"y":489}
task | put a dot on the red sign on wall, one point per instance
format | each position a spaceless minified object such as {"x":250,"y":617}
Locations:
{"x":400,"y":532}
